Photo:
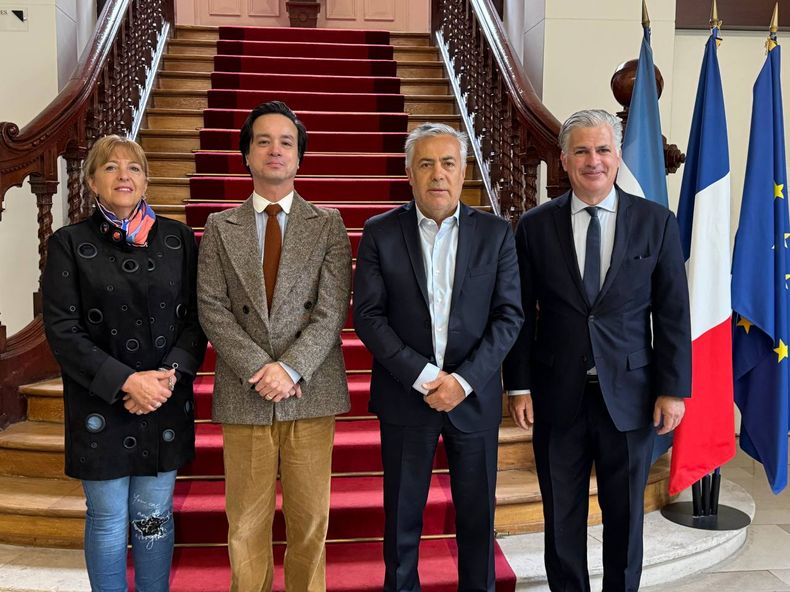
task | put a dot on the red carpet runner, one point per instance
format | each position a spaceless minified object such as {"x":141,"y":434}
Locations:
{"x":343,"y":86}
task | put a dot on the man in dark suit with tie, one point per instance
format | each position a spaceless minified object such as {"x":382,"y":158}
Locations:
{"x":604,"y":354}
{"x":436,"y":301}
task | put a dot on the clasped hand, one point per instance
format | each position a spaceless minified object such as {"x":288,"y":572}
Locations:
{"x":148,"y":391}
{"x":444,"y":392}
{"x":274,"y":384}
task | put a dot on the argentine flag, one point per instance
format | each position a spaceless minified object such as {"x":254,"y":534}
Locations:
{"x":642,"y":171}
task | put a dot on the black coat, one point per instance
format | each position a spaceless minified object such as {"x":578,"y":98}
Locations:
{"x":110,"y":310}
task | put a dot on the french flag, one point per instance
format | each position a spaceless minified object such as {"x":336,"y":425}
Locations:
{"x":705,"y":438}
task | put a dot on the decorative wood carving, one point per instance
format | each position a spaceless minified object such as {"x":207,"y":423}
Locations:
{"x":303,"y":13}
{"x":101,"y":97}
{"x":622,"y":85}
{"x":511,"y":130}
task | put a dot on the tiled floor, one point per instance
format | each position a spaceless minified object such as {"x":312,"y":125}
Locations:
{"x":763,"y":563}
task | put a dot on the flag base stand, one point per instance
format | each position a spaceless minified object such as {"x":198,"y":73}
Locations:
{"x":726,"y":518}
{"x":703,"y":511}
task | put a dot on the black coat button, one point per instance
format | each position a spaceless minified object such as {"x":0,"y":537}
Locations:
{"x":308,"y":305}
{"x":245,"y":309}
{"x":298,"y":334}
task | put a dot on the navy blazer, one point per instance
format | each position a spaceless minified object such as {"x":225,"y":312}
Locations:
{"x":392,"y":318}
{"x":639,"y":324}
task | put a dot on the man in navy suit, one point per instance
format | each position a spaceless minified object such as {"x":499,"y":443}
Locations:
{"x":437,"y":302}
{"x":604,"y":354}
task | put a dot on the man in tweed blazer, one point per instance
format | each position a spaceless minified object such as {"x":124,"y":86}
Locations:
{"x":280,"y":377}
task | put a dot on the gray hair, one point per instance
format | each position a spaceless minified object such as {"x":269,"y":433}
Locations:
{"x":591,"y":118}
{"x":427,"y":130}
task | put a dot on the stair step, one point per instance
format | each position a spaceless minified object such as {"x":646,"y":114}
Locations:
{"x":207,"y":47}
{"x":351,"y":567}
{"x":206,"y":32}
{"x":323,"y":141}
{"x":205,"y":63}
{"x":212,"y":33}
{"x":50,"y":512}
{"x":171,"y":164}
{"x":296,"y":35}
{"x":187,"y":63}
{"x":198,"y":99}
{"x":168,"y":140}
{"x":291,"y":49}
{"x":304,"y":65}
{"x":177,"y":190}
{"x":312,"y":82}
{"x":519,"y":509}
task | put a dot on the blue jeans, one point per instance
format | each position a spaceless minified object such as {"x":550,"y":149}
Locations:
{"x":146,"y":502}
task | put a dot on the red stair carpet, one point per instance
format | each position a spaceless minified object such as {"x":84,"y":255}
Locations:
{"x":342,"y":85}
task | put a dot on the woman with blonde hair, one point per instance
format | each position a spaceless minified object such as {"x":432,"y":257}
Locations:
{"x":121,"y":318}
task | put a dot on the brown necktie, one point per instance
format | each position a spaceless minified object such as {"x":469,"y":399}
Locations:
{"x":272,"y":245}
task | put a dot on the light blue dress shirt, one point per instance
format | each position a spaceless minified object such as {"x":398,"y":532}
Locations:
{"x":580,"y":221}
{"x":260,"y":204}
{"x":438,"y":245}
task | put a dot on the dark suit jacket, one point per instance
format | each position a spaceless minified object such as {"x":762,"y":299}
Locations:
{"x":646,"y":280}
{"x":391,"y":315}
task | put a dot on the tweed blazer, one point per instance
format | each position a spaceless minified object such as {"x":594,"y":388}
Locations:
{"x":309,"y":308}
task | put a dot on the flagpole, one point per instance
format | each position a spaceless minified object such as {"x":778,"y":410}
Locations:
{"x":704,"y":511}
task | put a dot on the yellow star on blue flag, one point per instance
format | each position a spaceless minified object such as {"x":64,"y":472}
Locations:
{"x":760,"y":276}
{"x":781,"y":350}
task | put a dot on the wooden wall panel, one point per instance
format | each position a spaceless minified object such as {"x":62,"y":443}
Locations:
{"x":390,"y":15}
{"x":379,"y":10}
{"x":341,"y":10}
{"x":268,"y":8}
{"x":224,"y":7}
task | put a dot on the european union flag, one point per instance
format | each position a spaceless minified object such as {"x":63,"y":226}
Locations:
{"x":760,"y":280}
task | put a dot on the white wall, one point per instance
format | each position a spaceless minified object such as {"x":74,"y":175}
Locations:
{"x":38,"y":61}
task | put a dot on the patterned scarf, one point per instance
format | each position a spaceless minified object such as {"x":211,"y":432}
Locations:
{"x":136,"y":226}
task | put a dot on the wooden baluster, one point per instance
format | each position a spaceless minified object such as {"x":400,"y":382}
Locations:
{"x":44,"y":190}
{"x":531,"y":164}
{"x":74,"y":157}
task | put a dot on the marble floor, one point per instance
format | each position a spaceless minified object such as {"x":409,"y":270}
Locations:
{"x":762,"y":564}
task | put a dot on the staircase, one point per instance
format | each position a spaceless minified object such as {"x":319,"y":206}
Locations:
{"x":358,"y":94}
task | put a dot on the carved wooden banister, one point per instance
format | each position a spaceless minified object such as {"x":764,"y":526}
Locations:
{"x":511,"y":130}
{"x":106,"y":94}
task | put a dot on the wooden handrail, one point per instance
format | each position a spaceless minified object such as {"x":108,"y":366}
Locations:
{"x":510,"y":128}
{"x":106,"y":94}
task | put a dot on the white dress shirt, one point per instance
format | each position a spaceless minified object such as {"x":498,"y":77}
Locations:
{"x":580,"y":221}
{"x":260,"y":204}
{"x":438,"y":245}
